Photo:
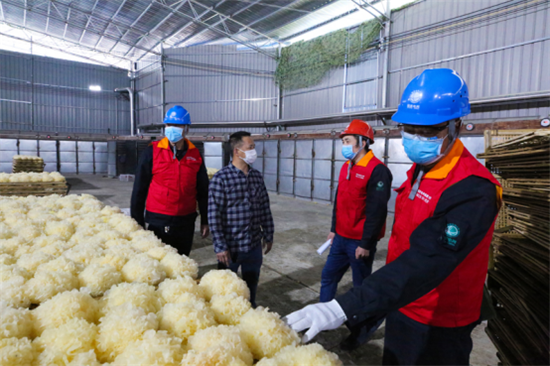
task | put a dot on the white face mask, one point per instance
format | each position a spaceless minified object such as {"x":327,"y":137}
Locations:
{"x":251,"y":156}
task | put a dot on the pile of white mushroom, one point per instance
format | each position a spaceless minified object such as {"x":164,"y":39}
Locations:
{"x":103,"y":291}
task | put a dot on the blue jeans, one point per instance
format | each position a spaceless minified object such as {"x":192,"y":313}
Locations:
{"x":340,"y":258}
{"x":250,"y":263}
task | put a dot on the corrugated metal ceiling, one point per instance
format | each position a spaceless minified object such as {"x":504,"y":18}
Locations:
{"x":118,"y":31}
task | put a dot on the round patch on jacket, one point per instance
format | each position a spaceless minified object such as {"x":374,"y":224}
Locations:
{"x":380,"y":186}
{"x":452,"y":231}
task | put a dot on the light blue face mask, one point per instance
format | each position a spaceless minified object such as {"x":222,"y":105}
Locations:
{"x":174,"y":134}
{"x":347,"y":152}
{"x":422,"y":150}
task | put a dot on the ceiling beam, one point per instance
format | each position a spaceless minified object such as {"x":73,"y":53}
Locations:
{"x":132,"y":25}
{"x":66,"y":23}
{"x":109,"y":22}
{"x":230,"y":18}
{"x":189,"y":38}
{"x":159,"y":24}
{"x":360,"y":4}
{"x":317,"y":26}
{"x":48,"y":18}
{"x":189,"y":23}
{"x":52,"y":2}
{"x":25,"y":15}
{"x":285,"y":7}
{"x":61,"y":17}
{"x":256,"y":21}
{"x":87,"y":22}
{"x":223,"y":33}
{"x":370,"y":5}
{"x":38,"y":4}
{"x":90,"y":14}
{"x":16,"y":26}
{"x":63,"y":50}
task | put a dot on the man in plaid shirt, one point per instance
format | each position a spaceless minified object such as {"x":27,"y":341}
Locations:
{"x":239,"y":214}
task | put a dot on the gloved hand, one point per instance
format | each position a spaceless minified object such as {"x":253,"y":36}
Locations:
{"x":316,"y":317}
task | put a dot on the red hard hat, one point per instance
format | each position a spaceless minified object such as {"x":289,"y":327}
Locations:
{"x":358,"y":127}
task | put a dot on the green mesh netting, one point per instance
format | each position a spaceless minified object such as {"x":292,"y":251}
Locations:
{"x":304,"y":64}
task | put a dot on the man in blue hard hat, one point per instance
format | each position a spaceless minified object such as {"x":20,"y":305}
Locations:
{"x":431,"y":288}
{"x":170,"y":179}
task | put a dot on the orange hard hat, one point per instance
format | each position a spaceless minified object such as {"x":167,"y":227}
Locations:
{"x":358,"y":127}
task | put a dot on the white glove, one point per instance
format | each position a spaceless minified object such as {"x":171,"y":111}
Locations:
{"x":317,"y":317}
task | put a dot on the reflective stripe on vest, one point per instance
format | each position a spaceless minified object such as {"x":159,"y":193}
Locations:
{"x":173,"y":189}
{"x":352,"y":195}
{"x":456,"y":302}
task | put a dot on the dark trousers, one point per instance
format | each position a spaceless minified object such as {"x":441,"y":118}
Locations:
{"x":250,"y":263}
{"x":408,"y":342}
{"x":180,"y":237}
{"x":340,"y":258}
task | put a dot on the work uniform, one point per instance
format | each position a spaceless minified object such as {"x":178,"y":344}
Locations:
{"x":358,"y":220}
{"x":167,"y":187}
{"x":432,"y":285}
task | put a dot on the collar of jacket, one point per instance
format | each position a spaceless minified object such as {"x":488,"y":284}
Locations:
{"x":442,"y":169}
{"x":165,"y":144}
{"x":365,"y":159}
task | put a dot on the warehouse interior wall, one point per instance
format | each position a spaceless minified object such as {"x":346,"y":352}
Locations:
{"x":499,"y":48}
{"x":214,"y":83}
{"x":52,"y":96}
{"x":478,"y":39}
{"x":346,"y":89}
{"x":49,"y":96}
{"x":149,"y":91}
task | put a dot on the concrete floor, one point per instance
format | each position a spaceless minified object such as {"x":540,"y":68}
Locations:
{"x":291,"y":273}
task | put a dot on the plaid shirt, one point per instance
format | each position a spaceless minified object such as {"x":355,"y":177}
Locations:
{"x":238,"y":210}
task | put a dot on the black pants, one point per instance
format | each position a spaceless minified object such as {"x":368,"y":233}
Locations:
{"x":251,"y":264}
{"x":409,"y":342}
{"x":180,"y":237}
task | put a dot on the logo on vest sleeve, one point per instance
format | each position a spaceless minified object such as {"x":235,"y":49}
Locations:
{"x":452,"y":232}
{"x":191,"y":158}
{"x":360,"y":176}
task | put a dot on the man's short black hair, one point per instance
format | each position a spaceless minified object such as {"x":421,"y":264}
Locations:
{"x":236,"y":139}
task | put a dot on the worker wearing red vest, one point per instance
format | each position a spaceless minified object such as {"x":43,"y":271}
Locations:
{"x":431,"y":288}
{"x":170,"y":179}
{"x":358,"y":218}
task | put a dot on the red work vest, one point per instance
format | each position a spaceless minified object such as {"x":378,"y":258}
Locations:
{"x":351,"y":199}
{"x":173,"y":189}
{"x":456,"y":302}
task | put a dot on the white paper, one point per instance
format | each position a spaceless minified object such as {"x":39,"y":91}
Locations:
{"x":323,"y":247}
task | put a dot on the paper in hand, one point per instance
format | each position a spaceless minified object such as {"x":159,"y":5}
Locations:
{"x":324,"y":247}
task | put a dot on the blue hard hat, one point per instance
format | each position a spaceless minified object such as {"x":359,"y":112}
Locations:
{"x":177,"y":115}
{"x":433,"y":97}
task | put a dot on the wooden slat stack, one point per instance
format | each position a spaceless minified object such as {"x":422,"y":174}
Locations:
{"x":40,"y":189}
{"x":519,"y":277}
{"x":33,"y":184}
{"x":27,"y":164}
